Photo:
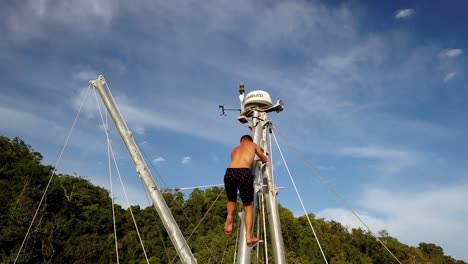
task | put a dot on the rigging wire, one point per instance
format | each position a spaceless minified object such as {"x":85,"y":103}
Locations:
{"x":151,"y":203}
{"x":203,"y":218}
{"x":237,"y":239}
{"x":177,"y":189}
{"x":121,"y":182}
{"x":112,"y":192}
{"x":151,"y":164}
{"x":300,"y":199}
{"x":265,"y":243}
{"x":343,"y":201}
{"x":195,"y":187}
{"x":127,"y":197}
{"x":227,"y":241}
{"x":157,"y":226}
{"x":52,"y":174}
{"x":106,"y":128}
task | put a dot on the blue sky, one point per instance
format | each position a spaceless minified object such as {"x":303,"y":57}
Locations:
{"x":375,"y":98}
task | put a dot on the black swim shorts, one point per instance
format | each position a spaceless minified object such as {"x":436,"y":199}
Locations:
{"x":242,"y":179}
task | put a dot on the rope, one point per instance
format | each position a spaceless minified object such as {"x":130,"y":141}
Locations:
{"x":203,"y":218}
{"x":121,"y":181}
{"x":237,"y":240}
{"x":191,"y":188}
{"x":342,"y":200}
{"x":265,"y":244}
{"x":175,"y":189}
{"x":52,"y":174}
{"x":112,"y":195}
{"x":106,"y":127}
{"x":157,"y":226}
{"x":151,"y":164}
{"x":300,"y":199}
{"x":227,"y":240}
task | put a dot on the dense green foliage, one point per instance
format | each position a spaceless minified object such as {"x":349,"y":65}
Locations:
{"x":75,"y":224}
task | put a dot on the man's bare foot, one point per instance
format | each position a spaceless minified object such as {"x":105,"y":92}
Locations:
{"x":228,"y":225}
{"x":252,"y":242}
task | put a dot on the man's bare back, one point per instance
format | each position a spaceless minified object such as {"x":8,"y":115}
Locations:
{"x":239,"y":177}
{"x":243,"y":155}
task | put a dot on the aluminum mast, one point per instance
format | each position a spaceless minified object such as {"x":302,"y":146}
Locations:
{"x":256,"y":106}
{"x":144,"y":173}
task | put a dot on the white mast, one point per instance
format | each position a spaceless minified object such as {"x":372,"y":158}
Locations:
{"x":256,"y":106}
{"x":144,"y":173}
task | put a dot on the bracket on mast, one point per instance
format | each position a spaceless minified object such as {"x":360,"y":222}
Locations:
{"x":223,"y":110}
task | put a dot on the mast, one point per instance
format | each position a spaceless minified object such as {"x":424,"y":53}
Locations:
{"x":256,"y":107}
{"x":183,"y":250}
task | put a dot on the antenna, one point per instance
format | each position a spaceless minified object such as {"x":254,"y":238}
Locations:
{"x":255,"y":107}
{"x":241,"y":99}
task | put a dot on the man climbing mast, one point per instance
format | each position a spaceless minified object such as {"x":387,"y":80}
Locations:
{"x":239,"y":176}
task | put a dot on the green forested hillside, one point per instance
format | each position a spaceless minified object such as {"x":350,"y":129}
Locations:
{"x":75,"y":224}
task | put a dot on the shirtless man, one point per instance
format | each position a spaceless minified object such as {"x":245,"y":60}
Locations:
{"x":239,"y":176}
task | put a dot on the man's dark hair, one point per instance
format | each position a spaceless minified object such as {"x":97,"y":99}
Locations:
{"x":247,"y":137}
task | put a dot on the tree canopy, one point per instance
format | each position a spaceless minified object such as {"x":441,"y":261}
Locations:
{"x":75,"y":224}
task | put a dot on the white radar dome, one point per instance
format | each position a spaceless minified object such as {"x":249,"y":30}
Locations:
{"x":257,"y":99}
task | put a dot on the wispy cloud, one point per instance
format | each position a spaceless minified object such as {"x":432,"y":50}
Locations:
{"x":374,"y":152}
{"x":341,"y":83}
{"x":404,"y":13}
{"x":408,"y":216}
{"x":324,"y":168}
{"x":449,"y":76}
{"x":349,"y":220}
{"x":84,"y":75}
{"x":32,"y":19}
{"x":389,"y":160}
{"x":158,"y":160}
{"x":177,"y":116}
{"x":451,"y":53}
{"x":186,"y":160}
{"x":139,"y":130}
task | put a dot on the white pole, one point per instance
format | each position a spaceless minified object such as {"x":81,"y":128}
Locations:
{"x":144,"y":173}
{"x":270,"y":191}
{"x":263,"y":182}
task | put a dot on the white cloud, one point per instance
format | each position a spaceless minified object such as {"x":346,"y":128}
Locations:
{"x":139,"y":130}
{"x":374,"y":152}
{"x":451,"y":53}
{"x":158,"y":160}
{"x":84,"y":75}
{"x":19,"y":120}
{"x":186,"y":160}
{"x":32,"y":18}
{"x":349,"y":220}
{"x":404,"y":13}
{"x":323,"y":168}
{"x":449,"y":76}
{"x":86,"y":98}
{"x":178,"y":116}
{"x":389,"y":160}
{"x":435,"y":215}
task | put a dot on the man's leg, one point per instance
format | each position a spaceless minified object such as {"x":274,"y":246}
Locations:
{"x":231,"y":208}
{"x":248,"y":220}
